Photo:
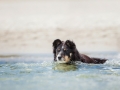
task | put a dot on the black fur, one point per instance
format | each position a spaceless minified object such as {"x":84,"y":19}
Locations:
{"x":76,"y":56}
{"x":56,"y":43}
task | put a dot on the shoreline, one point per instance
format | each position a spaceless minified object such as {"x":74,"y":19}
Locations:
{"x":38,"y":41}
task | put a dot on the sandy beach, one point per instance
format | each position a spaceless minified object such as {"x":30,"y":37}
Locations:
{"x":32,"y":26}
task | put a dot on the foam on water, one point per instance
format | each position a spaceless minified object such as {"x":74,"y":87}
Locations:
{"x":40,"y":73}
{"x":114,"y":61}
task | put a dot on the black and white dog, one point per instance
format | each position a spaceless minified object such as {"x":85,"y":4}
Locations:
{"x":66,"y":52}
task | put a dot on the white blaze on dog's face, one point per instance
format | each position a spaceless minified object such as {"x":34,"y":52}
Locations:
{"x":63,"y":54}
{"x":64,"y":51}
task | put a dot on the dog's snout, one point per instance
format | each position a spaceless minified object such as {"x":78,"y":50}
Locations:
{"x":59,"y":58}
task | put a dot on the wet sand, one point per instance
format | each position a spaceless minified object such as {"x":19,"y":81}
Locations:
{"x":38,"y":41}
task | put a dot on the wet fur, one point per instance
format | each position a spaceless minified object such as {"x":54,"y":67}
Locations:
{"x":76,"y":56}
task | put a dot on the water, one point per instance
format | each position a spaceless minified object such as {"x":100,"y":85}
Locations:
{"x":38,"y":72}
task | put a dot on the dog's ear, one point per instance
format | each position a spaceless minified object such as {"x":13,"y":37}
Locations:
{"x":70,"y":44}
{"x":56,"y":43}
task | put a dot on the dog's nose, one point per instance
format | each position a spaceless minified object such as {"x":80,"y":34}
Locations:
{"x":59,"y":58}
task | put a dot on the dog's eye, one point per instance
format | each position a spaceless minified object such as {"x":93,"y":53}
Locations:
{"x":58,"y":50}
{"x":65,"y":50}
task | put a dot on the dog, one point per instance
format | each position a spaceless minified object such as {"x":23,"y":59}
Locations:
{"x":66,"y":52}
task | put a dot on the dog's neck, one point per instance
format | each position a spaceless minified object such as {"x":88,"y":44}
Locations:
{"x":76,"y":56}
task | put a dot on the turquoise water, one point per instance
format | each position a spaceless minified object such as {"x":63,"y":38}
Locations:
{"x":38,"y":72}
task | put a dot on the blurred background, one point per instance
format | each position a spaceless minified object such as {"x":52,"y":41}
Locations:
{"x":31,"y":26}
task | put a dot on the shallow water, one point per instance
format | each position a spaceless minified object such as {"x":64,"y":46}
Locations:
{"x":38,"y":72}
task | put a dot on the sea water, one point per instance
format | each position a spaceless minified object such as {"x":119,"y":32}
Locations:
{"x":39,"y":72}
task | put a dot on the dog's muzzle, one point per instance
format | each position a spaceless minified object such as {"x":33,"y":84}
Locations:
{"x":64,"y":59}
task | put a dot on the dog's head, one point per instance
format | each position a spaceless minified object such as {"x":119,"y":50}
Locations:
{"x":63,"y":51}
